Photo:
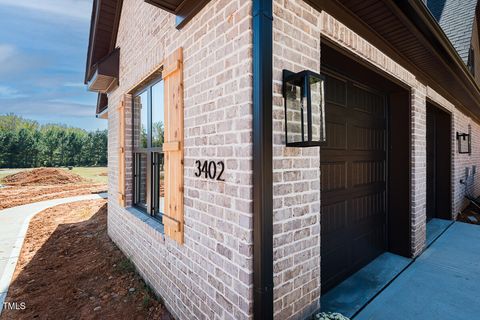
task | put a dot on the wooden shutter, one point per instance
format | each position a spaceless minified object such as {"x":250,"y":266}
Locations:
{"x":121,"y":152}
{"x":173,"y":145}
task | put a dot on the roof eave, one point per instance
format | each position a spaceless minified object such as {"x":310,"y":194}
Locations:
{"x":421,"y":17}
{"x":112,"y":38}
{"x":102,"y":106}
{"x":430,"y":20}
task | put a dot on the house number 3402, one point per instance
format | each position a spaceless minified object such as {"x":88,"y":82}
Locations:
{"x":210,"y":169}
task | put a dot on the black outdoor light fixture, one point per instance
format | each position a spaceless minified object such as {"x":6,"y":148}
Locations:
{"x":303,"y":93}
{"x":464,"y":142}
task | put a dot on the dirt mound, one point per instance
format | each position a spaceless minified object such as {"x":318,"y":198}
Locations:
{"x":42,"y":176}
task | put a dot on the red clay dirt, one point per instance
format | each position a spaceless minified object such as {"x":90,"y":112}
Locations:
{"x":44,"y":184}
{"x":42,"y":176}
{"x":70,"y":269}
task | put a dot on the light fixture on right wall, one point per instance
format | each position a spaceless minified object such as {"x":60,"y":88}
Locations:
{"x":464,"y":142}
{"x":304,"y":97}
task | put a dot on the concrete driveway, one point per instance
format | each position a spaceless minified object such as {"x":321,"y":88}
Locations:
{"x":442,"y":284}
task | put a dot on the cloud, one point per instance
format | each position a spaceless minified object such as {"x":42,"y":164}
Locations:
{"x":7,"y":51}
{"x":13,"y":62}
{"x":30,"y":108}
{"x":10,"y":93}
{"x":78,"y":84}
{"x":79,"y":9}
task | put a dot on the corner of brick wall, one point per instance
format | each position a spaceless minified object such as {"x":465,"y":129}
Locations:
{"x":418,"y":174}
{"x":296,"y":172}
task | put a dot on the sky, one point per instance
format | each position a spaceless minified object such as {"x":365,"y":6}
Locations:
{"x":43,"y":47}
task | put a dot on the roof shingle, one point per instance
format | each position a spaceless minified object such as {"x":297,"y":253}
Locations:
{"x":456,"y":18}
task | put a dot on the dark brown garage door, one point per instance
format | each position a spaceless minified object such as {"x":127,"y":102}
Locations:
{"x":353,"y":179}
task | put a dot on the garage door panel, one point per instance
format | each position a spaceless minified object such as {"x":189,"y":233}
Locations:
{"x":334,"y":216}
{"x":354,"y":155}
{"x":339,"y":268}
{"x":365,"y":248}
{"x":344,"y":257}
{"x":358,"y":116}
{"x":338,"y":131}
{"x":333,"y":175}
{"x":349,"y":193}
{"x":369,"y":206}
{"x":348,"y":229}
{"x":363,"y":100}
{"x":353,"y":179}
{"x":365,"y":138}
{"x":335,"y":90}
{"x":365,"y":172}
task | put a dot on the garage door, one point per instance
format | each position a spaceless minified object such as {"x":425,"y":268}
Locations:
{"x":353,"y":179}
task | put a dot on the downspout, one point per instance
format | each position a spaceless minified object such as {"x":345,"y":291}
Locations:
{"x":262,"y":161}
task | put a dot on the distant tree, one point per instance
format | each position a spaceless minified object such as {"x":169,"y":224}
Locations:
{"x":26,"y":148}
{"x":25,"y":143}
{"x":49,"y":142}
{"x":7,"y":142}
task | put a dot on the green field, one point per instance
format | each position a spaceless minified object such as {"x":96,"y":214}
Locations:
{"x":96,"y":174}
{"x":91,"y":173}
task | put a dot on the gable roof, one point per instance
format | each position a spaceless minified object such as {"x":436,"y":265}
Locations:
{"x":103,"y":32}
{"x":106,"y":17}
{"x":456,"y":18}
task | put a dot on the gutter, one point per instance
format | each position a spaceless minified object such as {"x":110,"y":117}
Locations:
{"x":262,"y":160}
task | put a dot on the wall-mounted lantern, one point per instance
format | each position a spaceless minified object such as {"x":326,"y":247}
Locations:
{"x":303,"y":93}
{"x":464,"y":142}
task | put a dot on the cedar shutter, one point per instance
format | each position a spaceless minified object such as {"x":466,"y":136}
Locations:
{"x":173,"y":145}
{"x":121,"y":152}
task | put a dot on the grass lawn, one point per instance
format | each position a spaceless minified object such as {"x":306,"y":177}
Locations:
{"x":96,"y":174}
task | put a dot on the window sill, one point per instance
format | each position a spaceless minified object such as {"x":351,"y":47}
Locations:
{"x":150,"y":221}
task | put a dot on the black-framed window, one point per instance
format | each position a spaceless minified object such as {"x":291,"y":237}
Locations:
{"x":148,"y":158}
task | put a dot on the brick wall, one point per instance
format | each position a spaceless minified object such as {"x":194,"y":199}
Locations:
{"x":210,"y":276}
{"x":418,"y":174}
{"x":296,"y":171}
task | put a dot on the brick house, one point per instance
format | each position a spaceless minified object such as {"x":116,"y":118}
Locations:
{"x":218,"y":214}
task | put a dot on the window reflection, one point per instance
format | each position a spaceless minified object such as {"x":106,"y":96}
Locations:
{"x":140,"y":120}
{"x":157,"y":115}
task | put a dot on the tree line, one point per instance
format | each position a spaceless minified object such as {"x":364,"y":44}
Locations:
{"x":26,"y":144}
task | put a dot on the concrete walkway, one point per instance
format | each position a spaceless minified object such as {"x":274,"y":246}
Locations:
{"x":442,"y":284}
{"x":13,"y":228}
